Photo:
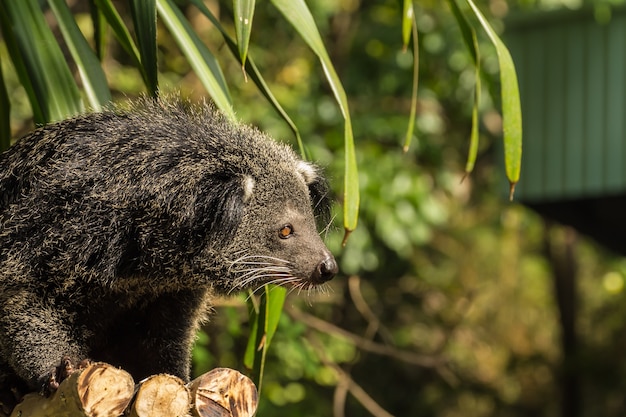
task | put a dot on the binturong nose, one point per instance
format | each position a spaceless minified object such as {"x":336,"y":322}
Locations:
{"x":325,"y":270}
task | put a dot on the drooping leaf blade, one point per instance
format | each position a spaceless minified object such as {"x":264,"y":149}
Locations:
{"x":99,"y":29}
{"x":53,"y":87}
{"x":244,"y":12}
{"x":411,"y":127}
{"x":20,"y":66}
{"x":5,"y":114}
{"x":471,"y":42}
{"x":254,"y":73}
{"x":122,"y":34}
{"x":266,"y":318}
{"x":511,"y":107}
{"x":144,"y":20}
{"x":299,"y":15}
{"x":200,"y":58}
{"x":407,"y":22}
{"x":93,"y":79}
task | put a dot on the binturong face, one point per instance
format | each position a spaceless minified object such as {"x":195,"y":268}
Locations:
{"x":278,"y":241}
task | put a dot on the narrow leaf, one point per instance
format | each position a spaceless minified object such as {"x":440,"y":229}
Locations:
{"x":52,"y":83}
{"x":254,"y":73}
{"x":20,"y":66}
{"x":410,"y":129}
{"x":144,"y":19}
{"x":471,"y":41}
{"x":298,"y":14}
{"x":473,"y":148}
{"x":244,"y":12}
{"x":202,"y":61}
{"x":5,"y":114}
{"x":91,"y":73}
{"x":253,"y":339}
{"x":99,"y":29}
{"x":121,"y":33}
{"x":407,"y":22}
{"x":511,"y":108}
{"x":275,"y":300}
{"x":266,"y":318}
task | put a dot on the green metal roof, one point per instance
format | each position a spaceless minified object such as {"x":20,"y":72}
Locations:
{"x":572,"y":76}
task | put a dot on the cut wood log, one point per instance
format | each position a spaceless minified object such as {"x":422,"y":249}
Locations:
{"x":99,"y":390}
{"x":161,"y":395}
{"x":223,"y":392}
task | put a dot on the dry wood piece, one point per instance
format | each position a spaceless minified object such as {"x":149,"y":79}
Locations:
{"x":223,"y":392}
{"x":161,"y":395}
{"x":99,"y":390}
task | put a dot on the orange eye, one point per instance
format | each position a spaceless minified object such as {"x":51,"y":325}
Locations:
{"x":285,"y":231}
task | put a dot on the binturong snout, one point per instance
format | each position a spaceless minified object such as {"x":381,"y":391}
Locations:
{"x":325,"y":270}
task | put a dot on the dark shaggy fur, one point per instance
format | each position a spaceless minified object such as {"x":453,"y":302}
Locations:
{"x":117,"y":227}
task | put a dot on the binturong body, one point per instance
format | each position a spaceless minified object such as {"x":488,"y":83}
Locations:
{"x":117,"y":228}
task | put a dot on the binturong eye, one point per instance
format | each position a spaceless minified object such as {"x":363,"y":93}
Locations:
{"x":286,"y":231}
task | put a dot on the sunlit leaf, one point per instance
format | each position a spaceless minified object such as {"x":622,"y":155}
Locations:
{"x":471,"y":41}
{"x":411,"y":127}
{"x":144,"y":19}
{"x":511,"y":108}
{"x":266,"y":317}
{"x":253,"y":339}
{"x":407,"y":22}
{"x":244,"y":12}
{"x":298,"y":14}
{"x":275,"y":301}
{"x":93,"y":79}
{"x":54,"y":91}
{"x":200,"y":58}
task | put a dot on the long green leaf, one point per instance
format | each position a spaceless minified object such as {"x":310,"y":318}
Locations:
{"x":511,"y":107}
{"x":144,"y":19}
{"x":266,"y":317}
{"x":416,"y":51}
{"x":20,"y":66}
{"x":254,"y":73}
{"x":53,"y":87}
{"x":202,"y":61}
{"x":5,"y":114}
{"x":299,"y":15}
{"x":471,"y":41}
{"x":121,"y":33}
{"x":408,"y":13}
{"x":244,"y":12}
{"x":99,"y":29}
{"x":91,"y":73}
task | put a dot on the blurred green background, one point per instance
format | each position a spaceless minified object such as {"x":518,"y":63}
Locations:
{"x":445,"y":304}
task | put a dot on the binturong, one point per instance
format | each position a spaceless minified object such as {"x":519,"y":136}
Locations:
{"x":117,"y":228}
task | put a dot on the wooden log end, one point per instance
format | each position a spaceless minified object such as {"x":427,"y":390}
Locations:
{"x":161,"y":395}
{"x":223,"y":392}
{"x":104,"y":390}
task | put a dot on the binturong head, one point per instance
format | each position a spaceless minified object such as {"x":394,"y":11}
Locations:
{"x":261,"y":209}
{"x":278,"y":240}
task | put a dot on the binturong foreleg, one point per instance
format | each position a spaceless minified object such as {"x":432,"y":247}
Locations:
{"x":38,"y":340}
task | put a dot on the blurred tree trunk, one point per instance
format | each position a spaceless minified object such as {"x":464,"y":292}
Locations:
{"x":560,"y":250}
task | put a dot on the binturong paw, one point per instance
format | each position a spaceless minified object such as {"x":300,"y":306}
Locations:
{"x":50,"y":381}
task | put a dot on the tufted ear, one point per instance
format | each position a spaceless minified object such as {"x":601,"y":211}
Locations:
{"x":318,"y":191}
{"x":220,"y":205}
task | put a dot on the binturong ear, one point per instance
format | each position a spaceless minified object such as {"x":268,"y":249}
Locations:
{"x":318,"y":191}
{"x":220,"y":206}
